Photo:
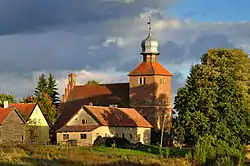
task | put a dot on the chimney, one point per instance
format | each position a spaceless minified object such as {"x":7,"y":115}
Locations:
{"x":71,"y":80}
{"x":5,"y":104}
{"x":66,"y":93}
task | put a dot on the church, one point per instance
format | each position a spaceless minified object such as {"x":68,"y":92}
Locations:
{"x":148,"y":92}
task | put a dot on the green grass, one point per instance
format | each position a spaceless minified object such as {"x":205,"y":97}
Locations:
{"x":101,"y":156}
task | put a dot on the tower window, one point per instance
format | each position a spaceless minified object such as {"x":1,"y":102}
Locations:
{"x":84,"y":121}
{"x":142,"y":80}
{"x":160,"y":81}
{"x":164,"y":81}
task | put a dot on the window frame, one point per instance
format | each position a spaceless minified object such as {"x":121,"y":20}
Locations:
{"x":85,"y":121}
{"x":83,"y":136}
{"x":65,"y":136}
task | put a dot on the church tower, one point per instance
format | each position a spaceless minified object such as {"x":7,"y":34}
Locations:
{"x":150,"y":86}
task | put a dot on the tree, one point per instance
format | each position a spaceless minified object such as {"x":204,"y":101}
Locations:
{"x":53,"y":90}
{"x":42,"y":86}
{"x":48,"y":109}
{"x":28,"y":99}
{"x":46,"y":96}
{"x":215,"y":99}
{"x":7,"y":97}
{"x":93,"y":82}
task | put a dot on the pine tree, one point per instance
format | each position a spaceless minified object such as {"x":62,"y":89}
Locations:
{"x":46,"y":96}
{"x":52,"y":90}
{"x":42,"y":86}
{"x":215,"y":99}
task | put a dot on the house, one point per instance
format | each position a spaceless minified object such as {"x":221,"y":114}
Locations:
{"x":85,"y":123}
{"x":149,"y":89}
{"x":37,"y":126}
{"x":12,"y":125}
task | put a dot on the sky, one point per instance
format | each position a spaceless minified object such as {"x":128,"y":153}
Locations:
{"x":100,"y":39}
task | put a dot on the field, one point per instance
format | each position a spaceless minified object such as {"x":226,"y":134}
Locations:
{"x":99,"y":156}
{"x":17,"y":155}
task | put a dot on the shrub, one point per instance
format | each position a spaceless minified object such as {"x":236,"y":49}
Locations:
{"x":212,"y":151}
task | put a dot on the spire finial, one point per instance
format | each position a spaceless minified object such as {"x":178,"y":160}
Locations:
{"x":149,"y":25}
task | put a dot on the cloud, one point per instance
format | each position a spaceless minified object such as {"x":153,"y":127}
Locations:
{"x":31,"y":16}
{"x":100,"y":36}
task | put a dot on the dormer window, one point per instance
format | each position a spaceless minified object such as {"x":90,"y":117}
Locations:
{"x":84,"y":121}
{"x":141,"y":80}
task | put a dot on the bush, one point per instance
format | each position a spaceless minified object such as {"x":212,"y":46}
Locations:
{"x":120,"y":142}
{"x":212,"y":151}
{"x":99,"y":141}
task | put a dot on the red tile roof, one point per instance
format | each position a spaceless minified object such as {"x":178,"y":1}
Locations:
{"x":24,"y":108}
{"x":101,"y":95}
{"x":123,"y":117}
{"x":149,"y":68}
{"x":105,"y":116}
{"x":4,"y":112}
{"x":68,"y":110}
{"x":85,"y":128}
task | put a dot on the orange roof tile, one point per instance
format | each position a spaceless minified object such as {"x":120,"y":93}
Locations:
{"x":82,"y":128}
{"x":25,"y":108}
{"x":4,"y":112}
{"x":120,"y":117}
{"x":105,"y":116}
{"x":149,"y":68}
{"x":103,"y":94}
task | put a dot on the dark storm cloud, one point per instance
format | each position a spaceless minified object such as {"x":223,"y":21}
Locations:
{"x":173,"y":53}
{"x":31,"y":16}
{"x":205,"y":42}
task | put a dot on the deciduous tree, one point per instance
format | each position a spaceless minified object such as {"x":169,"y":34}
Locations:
{"x":215,"y":99}
{"x":7,"y":97}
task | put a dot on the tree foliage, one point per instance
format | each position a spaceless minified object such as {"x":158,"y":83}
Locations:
{"x":42,"y":86}
{"x":215,"y":99}
{"x":7,"y":97}
{"x":47,"y":96}
{"x":93,"y":82}
{"x":28,"y":99}
{"x":53,"y":90}
{"x":48,"y":109}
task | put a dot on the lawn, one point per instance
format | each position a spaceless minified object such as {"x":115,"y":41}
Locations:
{"x":100,"y":156}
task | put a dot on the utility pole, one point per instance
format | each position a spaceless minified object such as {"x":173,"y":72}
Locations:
{"x":165,"y":107}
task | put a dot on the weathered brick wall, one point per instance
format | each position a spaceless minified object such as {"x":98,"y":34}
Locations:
{"x":148,"y":98}
{"x":13,"y":128}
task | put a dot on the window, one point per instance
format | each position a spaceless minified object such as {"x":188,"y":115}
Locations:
{"x":142,"y":80}
{"x":84,"y":121}
{"x":22,"y":138}
{"x":106,"y":135}
{"x":160,"y":81}
{"x":83,"y":136}
{"x":164,"y":81}
{"x":138,"y":137}
{"x":131,"y":136}
{"x":123,"y":135}
{"x":34,"y":120}
{"x":39,"y":121}
{"x":116,"y":135}
{"x":65,"y":136}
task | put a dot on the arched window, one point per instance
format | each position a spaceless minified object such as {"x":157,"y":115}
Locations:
{"x":141,"y":80}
